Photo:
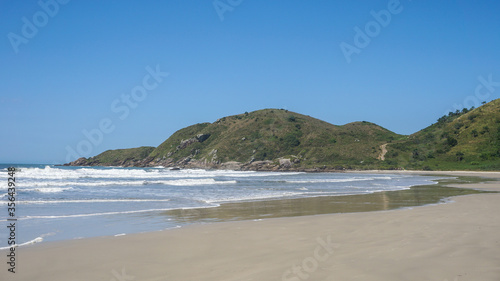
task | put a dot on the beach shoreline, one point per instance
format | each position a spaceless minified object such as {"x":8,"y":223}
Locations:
{"x":456,"y":241}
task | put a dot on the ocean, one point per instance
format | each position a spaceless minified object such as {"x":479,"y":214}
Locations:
{"x":60,"y":203}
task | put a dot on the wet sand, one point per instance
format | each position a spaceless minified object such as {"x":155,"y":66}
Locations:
{"x":455,"y":241}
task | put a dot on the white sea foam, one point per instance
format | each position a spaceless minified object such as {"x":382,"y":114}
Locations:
{"x":190,"y":182}
{"x":36,"y":240}
{"x":353,"y":179}
{"x":88,"y":201}
{"x":147,"y":173}
{"x":328,"y":180}
{"x":59,"y":186}
{"x":48,"y":189}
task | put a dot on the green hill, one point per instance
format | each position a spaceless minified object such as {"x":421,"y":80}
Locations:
{"x":117,"y":157}
{"x":272,"y":139}
{"x":271,"y":134}
{"x":462,"y":140}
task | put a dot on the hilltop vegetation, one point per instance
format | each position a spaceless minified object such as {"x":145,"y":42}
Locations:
{"x":462,"y":140}
{"x":272,"y":139}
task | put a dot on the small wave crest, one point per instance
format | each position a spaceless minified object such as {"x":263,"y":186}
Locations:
{"x":48,"y":189}
{"x":60,"y":186}
{"x":252,"y":197}
{"x":340,"y":180}
{"x":34,"y":241}
{"x":110,"y":213}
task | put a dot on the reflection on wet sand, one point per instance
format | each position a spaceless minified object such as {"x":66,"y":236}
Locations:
{"x":389,"y":200}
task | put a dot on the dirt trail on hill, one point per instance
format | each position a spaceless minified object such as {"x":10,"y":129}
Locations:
{"x":384,"y":151}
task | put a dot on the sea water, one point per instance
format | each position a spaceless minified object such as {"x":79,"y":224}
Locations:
{"x":59,"y":203}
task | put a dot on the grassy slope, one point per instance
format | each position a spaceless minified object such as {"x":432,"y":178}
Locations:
{"x":115,"y":157}
{"x":273,"y":133}
{"x":465,"y":141}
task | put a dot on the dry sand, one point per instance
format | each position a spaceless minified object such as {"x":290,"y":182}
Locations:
{"x":454,"y":242}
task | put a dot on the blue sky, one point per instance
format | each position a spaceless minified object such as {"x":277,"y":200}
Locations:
{"x":67,"y":73}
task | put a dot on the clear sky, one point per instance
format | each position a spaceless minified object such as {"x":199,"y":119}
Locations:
{"x":82,"y":77}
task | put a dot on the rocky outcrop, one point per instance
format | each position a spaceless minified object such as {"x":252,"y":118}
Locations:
{"x":190,"y":163}
{"x":198,"y":138}
{"x":231,"y":165}
{"x":202,"y":137}
{"x":82,"y":161}
{"x":285,"y":163}
{"x":266,"y":165}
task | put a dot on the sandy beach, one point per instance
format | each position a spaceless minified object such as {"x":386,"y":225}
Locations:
{"x":454,"y":242}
